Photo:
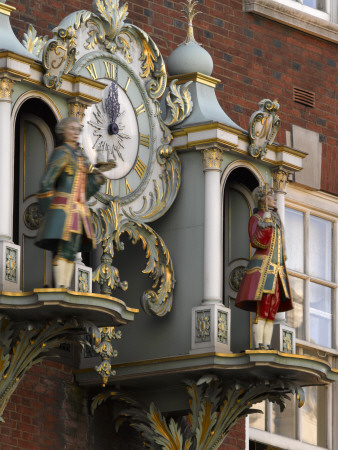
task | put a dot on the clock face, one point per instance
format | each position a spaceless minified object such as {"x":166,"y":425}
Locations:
{"x":118,"y":131}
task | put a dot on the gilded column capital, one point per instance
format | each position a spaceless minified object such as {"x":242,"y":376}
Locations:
{"x":279,"y":179}
{"x":212,"y":159}
{"x":6,"y":85}
{"x":77,"y":109}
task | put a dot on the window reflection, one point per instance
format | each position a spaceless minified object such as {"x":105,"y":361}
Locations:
{"x":314,"y":416}
{"x":257,"y":420}
{"x":294,"y":239}
{"x":320,"y":315}
{"x":320,"y":248}
{"x":295,"y":317}
{"x":285,"y":423}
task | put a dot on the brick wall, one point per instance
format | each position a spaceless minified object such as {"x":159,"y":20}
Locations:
{"x":236,"y":438}
{"x":253,"y":57}
{"x":46,"y":412}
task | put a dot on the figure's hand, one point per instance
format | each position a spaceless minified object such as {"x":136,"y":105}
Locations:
{"x":100,"y":179}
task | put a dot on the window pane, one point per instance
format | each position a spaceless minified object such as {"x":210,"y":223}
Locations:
{"x":314,"y":416}
{"x":285,"y":423}
{"x":258,"y":420}
{"x":320,"y":315}
{"x":295,"y":317}
{"x":294,"y":239}
{"x":320,"y":248}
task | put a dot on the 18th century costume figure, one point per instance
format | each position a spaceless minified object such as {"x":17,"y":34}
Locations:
{"x":66,"y":186}
{"x":265,"y":287}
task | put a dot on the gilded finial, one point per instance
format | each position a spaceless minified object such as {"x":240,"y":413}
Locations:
{"x":189,"y":12}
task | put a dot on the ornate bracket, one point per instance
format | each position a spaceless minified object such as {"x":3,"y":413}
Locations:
{"x":24,"y":345}
{"x":263,"y":127}
{"x":214,"y":408}
{"x":112,"y":225}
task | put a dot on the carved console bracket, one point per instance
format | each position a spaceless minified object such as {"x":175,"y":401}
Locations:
{"x":215,"y":406}
{"x":23,"y":345}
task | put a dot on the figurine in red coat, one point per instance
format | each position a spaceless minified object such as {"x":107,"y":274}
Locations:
{"x":265,"y":287}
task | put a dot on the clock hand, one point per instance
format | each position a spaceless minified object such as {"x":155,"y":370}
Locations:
{"x":112,"y":106}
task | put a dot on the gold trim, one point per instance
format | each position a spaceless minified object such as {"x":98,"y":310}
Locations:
{"x":209,"y":126}
{"x":214,"y":141}
{"x":6,"y":9}
{"x":86,"y":294}
{"x":220,"y":355}
{"x":197,"y":77}
{"x":45,"y":194}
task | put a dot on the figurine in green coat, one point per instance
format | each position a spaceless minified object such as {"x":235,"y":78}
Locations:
{"x":66,"y":228}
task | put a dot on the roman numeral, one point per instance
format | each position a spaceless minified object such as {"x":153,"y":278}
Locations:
{"x":128,"y":188}
{"x":144,"y":140}
{"x":92,"y":70}
{"x":110,"y":70}
{"x":109,"y":188}
{"x":140,"y":168}
{"x":127,"y":84}
{"x":140,"y":109}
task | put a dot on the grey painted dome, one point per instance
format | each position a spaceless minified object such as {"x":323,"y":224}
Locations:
{"x":189,"y":57}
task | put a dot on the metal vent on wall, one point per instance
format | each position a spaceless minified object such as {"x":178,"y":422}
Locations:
{"x":304,"y":97}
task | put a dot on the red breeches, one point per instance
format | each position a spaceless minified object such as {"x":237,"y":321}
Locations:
{"x":268,"y":306}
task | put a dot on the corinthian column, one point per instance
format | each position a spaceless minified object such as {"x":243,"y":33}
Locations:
{"x":212,"y":290}
{"x":6,"y":159}
{"x":10,"y":254}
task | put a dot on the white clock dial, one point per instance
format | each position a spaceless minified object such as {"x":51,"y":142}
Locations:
{"x":121,"y":148}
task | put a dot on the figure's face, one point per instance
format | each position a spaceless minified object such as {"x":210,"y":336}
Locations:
{"x":271,"y":201}
{"x":72,"y":132}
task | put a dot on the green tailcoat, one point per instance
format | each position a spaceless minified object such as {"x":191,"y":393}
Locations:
{"x":65,"y":188}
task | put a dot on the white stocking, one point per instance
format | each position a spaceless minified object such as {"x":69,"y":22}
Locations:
{"x":258,"y":329}
{"x":268,"y":329}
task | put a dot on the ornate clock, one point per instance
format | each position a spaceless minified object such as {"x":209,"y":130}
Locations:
{"x":125,"y":136}
{"x":119,"y":131}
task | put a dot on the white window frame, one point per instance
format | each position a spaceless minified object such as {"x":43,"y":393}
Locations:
{"x":296,"y":15}
{"x":325,"y":206}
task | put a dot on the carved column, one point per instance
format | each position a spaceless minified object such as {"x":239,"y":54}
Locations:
{"x":82,"y":276}
{"x":211,"y":320}
{"x":283,"y":336}
{"x":9,"y":252}
{"x":212,"y":159}
{"x":6,"y":159}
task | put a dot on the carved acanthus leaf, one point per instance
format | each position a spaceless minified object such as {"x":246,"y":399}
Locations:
{"x":34,"y":43}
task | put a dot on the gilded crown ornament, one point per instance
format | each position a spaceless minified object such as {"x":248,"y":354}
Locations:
{"x":189,"y":12}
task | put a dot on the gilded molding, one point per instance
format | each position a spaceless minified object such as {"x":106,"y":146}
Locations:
{"x":280,"y":179}
{"x":6,"y":9}
{"x":6,"y":85}
{"x":212,"y":159}
{"x":76,"y":109}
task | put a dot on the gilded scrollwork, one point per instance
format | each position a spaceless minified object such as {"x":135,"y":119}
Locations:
{"x":34,"y":43}
{"x":59,"y":56}
{"x":110,"y":224}
{"x":263,"y":127}
{"x":222,"y":327}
